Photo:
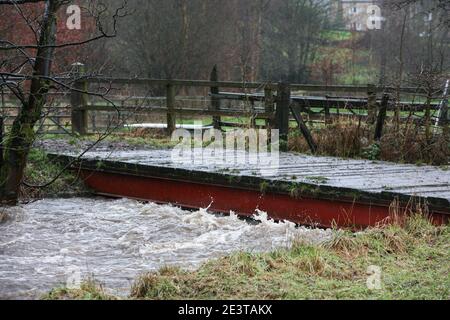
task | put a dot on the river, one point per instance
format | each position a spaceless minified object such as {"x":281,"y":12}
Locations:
{"x":45,"y":244}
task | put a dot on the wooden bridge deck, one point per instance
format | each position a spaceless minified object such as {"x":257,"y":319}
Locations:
{"x":320,"y":190}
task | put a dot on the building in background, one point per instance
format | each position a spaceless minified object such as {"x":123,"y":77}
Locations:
{"x":354,"y":14}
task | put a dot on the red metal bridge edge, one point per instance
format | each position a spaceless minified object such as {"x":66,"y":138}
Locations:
{"x":304,"y":211}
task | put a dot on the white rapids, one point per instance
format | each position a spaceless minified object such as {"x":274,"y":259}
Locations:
{"x":44,"y":243}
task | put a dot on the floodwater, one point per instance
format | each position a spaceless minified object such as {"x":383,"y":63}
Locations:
{"x":50,"y":243}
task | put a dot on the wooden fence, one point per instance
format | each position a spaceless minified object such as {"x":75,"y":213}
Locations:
{"x":274,"y":103}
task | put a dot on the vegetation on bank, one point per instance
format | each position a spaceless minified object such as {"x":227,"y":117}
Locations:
{"x":413,"y":258}
{"x":46,"y":178}
{"x":350,"y":139}
{"x":89,"y":290}
{"x":140,"y":137}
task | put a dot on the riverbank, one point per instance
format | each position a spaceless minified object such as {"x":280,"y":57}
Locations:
{"x":410,"y":261}
{"x":47,"y":179}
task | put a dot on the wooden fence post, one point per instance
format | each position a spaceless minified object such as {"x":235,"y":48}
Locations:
{"x":282,"y":113}
{"x":296,"y":111}
{"x":445,"y":119}
{"x":371,"y":103}
{"x":269,"y":105}
{"x":3,"y":97}
{"x":79,"y":100}
{"x":215,"y":102}
{"x":170,"y":104}
{"x":1,"y":140}
{"x":381,"y":117}
{"x":327,"y":112}
{"x":444,"y":114}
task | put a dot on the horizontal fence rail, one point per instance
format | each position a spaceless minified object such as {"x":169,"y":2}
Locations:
{"x":274,"y":103}
{"x":235,"y":84}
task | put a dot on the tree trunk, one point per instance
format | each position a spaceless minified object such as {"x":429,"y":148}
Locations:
{"x":400,"y":73}
{"x":22,"y":134}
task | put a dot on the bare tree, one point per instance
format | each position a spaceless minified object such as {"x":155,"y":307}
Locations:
{"x":441,"y":8}
{"x":26,"y":70}
{"x":414,"y":40}
{"x":250,"y":17}
{"x":176,"y":38}
{"x":292,"y":35}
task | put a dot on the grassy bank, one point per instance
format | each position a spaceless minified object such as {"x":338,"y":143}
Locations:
{"x":138,"y":138}
{"x":414,"y":261}
{"x":48,"y":179}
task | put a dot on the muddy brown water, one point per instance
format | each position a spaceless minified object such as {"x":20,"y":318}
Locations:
{"x":50,"y":243}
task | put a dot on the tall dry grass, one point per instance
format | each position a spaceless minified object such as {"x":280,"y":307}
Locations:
{"x":349,"y":139}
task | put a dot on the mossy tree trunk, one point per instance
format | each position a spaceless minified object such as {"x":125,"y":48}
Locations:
{"x":22,"y":134}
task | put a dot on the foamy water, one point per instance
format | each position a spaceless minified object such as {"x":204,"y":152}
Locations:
{"x":47,"y":243}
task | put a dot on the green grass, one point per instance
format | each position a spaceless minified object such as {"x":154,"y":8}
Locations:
{"x":125,"y":136}
{"x":361,"y":75}
{"x":414,"y":261}
{"x":336,"y":35}
{"x":89,"y":290}
{"x":41,"y":171}
{"x":145,"y":140}
{"x":318,"y":180}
